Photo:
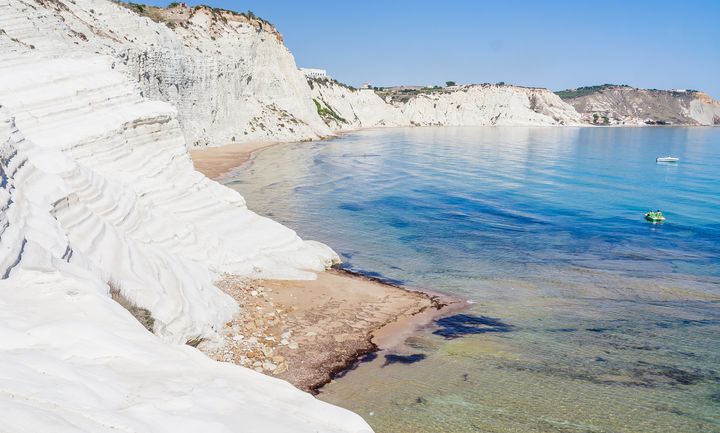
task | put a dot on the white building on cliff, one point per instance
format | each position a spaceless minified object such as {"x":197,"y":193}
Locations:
{"x":314,"y":73}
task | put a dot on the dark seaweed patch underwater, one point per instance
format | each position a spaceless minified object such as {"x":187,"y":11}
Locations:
{"x":459,"y":325}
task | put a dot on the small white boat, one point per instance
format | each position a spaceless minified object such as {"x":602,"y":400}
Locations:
{"x":666,"y":159}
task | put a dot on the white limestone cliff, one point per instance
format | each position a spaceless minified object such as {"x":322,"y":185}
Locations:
{"x":230,"y":76}
{"x":99,"y":195}
{"x":472,"y":105}
{"x":481,"y":105}
{"x":232,"y":79}
{"x":344,"y":108}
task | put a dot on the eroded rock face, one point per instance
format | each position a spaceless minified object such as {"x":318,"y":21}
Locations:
{"x":345,"y":108}
{"x":624,"y":105}
{"x":229,"y":76}
{"x":98,"y":198}
{"x":473,"y":105}
{"x":481,"y":105}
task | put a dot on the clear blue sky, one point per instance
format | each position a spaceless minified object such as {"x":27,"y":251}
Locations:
{"x":555,"y":44}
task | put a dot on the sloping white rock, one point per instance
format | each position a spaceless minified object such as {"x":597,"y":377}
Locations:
{"x":97,"y":192}
{"x":73,"y":360}
{"x":113,"y":171}
{"x":353,"y":108}
{"x":230,"y":77}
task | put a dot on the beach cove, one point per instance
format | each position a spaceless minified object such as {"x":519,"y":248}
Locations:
{"x":580,"y":311}
{"x":307,"y":332}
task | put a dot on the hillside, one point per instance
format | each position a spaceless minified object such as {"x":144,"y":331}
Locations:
{"x":469,"y":105}
{"x":611,"y":104}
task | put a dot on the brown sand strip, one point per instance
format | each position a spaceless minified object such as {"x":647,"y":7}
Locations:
{"x":215,"y":162}
{"x":307,"y":331}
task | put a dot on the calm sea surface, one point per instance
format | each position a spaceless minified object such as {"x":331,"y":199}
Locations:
{"x":584,"y":317}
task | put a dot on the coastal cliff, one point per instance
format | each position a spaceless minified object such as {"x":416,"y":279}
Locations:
{"x":229,"y":75}
{"x":611,"y":104}
{"x":232,"y":80}
{"x":104,"y":216}
{"x":101,"y":203}
{"x":343,"y":107}
{"x":488,"y":104}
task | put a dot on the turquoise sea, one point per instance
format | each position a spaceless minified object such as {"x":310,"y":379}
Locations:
{"x":584,"y":317}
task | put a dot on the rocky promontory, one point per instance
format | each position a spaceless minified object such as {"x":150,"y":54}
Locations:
{"x":611,"y":104}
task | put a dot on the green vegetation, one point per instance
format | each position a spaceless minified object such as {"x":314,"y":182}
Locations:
{"x":137,"y":7}
{"x":327,"y":81}
{"x":142,"y":315}
{"x":596,"y":118}
{"x":327,"y":113}
{"x":584,"y":91}
{"x":404,"y":94}
{"x":157,"y":13}
{"x":450,"y":83}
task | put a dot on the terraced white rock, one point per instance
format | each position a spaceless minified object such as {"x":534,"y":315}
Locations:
{"x":73,"y":360}
{"x":125,"y":194}
{"x":98,"y":192}
{"x":230,"y":77}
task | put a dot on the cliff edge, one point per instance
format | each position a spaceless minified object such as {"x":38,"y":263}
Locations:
{"x":611,"y":104}
{"x":107,"y":231}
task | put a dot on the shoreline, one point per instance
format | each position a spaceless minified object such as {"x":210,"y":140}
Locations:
{"x":311,"y":332}
{"x":218,"y":162}
{"x":279,"y":334}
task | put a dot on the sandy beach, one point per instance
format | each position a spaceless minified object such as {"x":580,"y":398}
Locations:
{"x":216,"y":162}
{"x":306,"y":332}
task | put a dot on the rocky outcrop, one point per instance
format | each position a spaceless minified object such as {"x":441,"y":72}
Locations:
{"x":624,"y":105}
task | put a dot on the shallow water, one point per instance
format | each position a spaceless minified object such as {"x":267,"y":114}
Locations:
{"x":586,"y":318}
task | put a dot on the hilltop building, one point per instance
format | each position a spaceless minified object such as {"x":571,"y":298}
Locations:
{"x":314,"y":73}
